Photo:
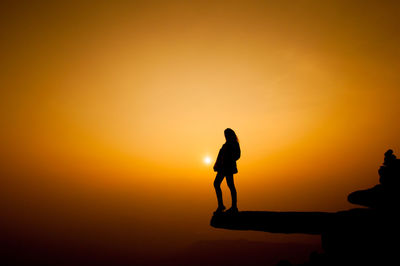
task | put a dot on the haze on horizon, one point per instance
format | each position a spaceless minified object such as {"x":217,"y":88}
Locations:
{"x":108,"y":110}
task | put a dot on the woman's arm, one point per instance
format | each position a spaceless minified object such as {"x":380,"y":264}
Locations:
{"x":218,"y":162}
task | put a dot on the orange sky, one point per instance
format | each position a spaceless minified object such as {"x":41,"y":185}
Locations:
{"x":116,"y":105}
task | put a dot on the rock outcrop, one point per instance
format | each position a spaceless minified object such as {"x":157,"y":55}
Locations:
{"x":357,"y":235}
{"x":385,"y":195}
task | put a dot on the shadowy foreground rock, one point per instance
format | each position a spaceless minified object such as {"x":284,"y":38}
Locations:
{"x":352,"y":236}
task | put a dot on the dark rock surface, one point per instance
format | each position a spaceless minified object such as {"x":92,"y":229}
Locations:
{"x":385,"y":195}
{"x":274,"y":222}
{"x":352,"y":236}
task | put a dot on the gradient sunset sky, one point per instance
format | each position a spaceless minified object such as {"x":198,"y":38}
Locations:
{"x":108,"y":109}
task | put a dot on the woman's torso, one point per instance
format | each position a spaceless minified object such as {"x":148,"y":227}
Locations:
{"x":227,"y":157}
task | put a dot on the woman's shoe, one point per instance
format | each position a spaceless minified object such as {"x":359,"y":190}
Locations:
{"x":220,"y":209}
{"x":232,"y":210}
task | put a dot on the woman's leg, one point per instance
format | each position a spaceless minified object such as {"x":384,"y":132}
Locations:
{"x":217,"y":186}
{"x":231,"y":185}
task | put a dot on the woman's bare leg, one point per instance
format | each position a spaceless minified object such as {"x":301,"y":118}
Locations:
{"x":231,"y":185}
{"x":217,"y":186}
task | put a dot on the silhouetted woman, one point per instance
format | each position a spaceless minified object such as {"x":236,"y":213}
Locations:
{"x":225,"y":166}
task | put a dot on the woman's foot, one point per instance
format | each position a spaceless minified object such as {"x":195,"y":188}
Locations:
{"x":232,"y":209}
{"x":220,"y":209}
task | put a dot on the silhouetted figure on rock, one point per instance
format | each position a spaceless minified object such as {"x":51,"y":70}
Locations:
{"x":225,"y":166}
{"x":360,"y":236}
{"x":385,"y":194}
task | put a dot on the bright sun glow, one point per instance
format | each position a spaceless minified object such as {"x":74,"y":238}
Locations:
{"x":207,"y":160}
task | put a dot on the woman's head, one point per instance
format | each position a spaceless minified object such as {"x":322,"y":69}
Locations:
{"x":230,"y":135}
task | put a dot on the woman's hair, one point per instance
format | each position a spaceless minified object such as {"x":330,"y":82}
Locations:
{"x":230,"y":135}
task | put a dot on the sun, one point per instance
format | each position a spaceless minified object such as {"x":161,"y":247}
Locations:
{"x":207,"y":160}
